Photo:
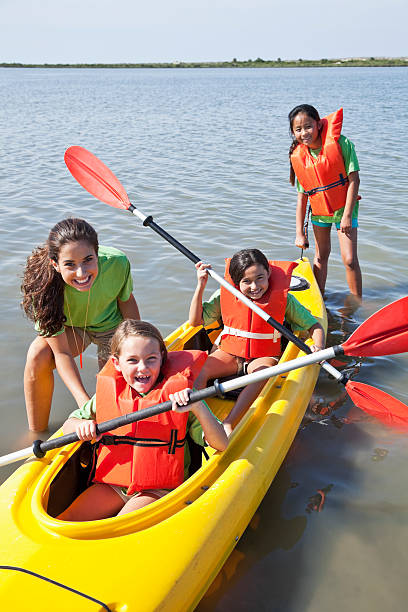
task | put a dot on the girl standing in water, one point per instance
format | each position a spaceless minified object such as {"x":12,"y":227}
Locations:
{"x":76,"y":292}
{"x":327,"y":171}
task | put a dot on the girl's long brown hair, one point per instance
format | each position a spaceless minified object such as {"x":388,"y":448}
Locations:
{"x":308,"y":110}
{"x":43,"y":286}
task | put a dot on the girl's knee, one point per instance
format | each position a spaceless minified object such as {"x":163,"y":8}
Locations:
{"x":262,"y":363}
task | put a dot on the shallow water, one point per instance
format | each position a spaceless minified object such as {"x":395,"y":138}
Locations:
{"x":205,"y":152}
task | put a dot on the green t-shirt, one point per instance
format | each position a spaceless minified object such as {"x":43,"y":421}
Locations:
{"x":298,"y":317}
{"x":350,"y":165}
{"x":113,"y":282}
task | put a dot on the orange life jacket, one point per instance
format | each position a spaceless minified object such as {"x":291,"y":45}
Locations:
{"x":147,"y":454}
{"x":324,"y":178}
{"x":245,"y":334}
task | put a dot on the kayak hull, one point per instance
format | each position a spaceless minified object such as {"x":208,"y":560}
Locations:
{"x":165,"y":556}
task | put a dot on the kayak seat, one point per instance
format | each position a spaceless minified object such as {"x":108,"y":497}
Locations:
{"x":199,"y":342}
{"x":75,"y":476}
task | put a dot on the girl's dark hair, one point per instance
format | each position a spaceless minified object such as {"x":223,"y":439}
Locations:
{"x":243,"y":260}
{"x":308,"y":110}
{"x":132,"y":327}
{"x":43,"y":286}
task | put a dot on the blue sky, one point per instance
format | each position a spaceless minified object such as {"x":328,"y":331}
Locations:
{"x":49,"y":31}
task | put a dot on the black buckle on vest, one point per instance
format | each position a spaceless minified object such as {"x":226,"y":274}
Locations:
{"x":173,"y":443}
{"x":343,"y":180}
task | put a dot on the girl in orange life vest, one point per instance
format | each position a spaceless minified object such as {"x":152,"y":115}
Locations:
{"x":139,"y":374}
{"x":246,"y":337}
{"x":326,"y":167}
{"x":77,"y":292}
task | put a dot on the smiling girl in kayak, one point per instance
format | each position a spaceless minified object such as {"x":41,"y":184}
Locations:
{"x":141,"y":462}
{"x":76,"y":292}
{"x":247,"y":341}
{"x":327,"y":171}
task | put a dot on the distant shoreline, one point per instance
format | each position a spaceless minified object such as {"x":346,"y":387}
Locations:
{"x":257,"y":63}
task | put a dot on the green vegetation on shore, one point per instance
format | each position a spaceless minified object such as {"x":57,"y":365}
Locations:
{"x":256,"y":63}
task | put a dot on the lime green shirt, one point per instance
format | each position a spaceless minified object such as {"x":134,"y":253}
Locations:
{"x":350,"y":165}
{"x":113,"y":282}
{"x":298,"y":317}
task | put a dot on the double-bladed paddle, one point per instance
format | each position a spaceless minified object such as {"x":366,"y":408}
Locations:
{"x":386,"y":408}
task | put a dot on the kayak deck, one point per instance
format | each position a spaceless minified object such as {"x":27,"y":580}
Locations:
{"x":164,"y":556}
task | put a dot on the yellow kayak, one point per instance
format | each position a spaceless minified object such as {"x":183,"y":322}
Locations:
{"x":164,"y":556}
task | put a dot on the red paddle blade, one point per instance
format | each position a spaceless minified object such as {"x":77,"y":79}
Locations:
{"x":379,"y":404}
{"x":95,"y":177}
{"x":384,"y":333}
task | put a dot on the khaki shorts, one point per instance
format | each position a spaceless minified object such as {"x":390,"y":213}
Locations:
{"x":242,"y":365}
{"x":101,"y":339}
{"x":158,"y":493}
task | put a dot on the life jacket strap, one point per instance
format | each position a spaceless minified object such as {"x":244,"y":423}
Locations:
{"x":232,"y":331}
{"x":173,"y":443}
{"x":342,"y":181}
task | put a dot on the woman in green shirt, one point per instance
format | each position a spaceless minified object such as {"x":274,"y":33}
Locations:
{"x":76,"y":292}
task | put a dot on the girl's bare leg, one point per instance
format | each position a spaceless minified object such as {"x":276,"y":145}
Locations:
{"x":322,"y":253}
{"x":348,"y":249}
{"x":97,"y":502}
{"x":218,"y":365}
{"x":249,"y":394}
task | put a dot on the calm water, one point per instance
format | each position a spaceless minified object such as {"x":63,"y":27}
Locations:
{"x":205,"y":152}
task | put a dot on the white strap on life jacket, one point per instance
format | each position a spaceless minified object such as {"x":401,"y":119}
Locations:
{"x":231,"y":331}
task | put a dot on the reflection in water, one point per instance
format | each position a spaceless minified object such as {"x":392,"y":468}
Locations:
{"x":317,"y":501}
{"x":269,"y":530}
{"x":379,"y":454}
{"x":351,"y":304}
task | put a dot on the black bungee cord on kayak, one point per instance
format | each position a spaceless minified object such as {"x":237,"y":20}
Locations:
{"x":58,"y":584}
